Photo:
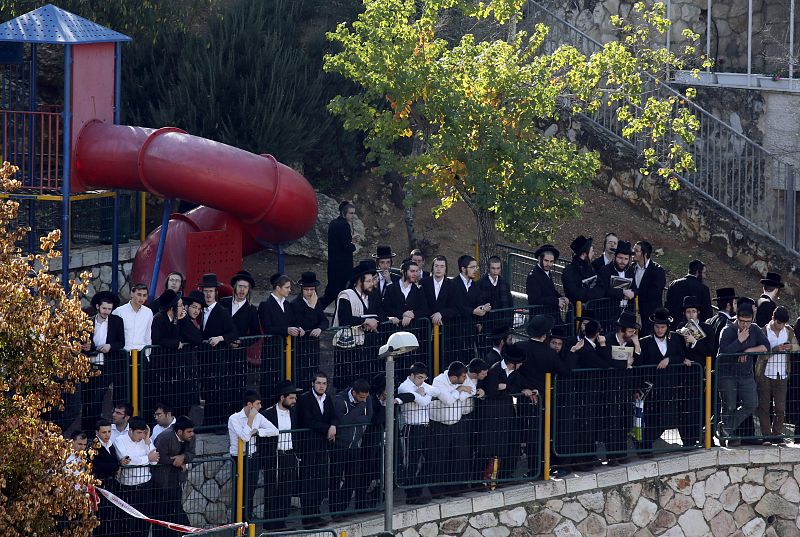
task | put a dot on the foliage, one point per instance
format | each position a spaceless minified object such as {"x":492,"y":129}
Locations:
{"x":474,"y":109}
{"x":40,"y":331}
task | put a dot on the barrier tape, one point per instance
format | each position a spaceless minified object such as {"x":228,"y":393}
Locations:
{"x":129,"y":509}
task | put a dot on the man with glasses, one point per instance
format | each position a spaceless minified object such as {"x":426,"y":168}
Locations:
{"x":737,"y":387}
{"x":164,"y":419}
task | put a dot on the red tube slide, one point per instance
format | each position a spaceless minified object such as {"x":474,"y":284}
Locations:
{"x":273,"y":203}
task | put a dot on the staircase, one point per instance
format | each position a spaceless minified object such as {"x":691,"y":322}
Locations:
{"x":733,"y":173}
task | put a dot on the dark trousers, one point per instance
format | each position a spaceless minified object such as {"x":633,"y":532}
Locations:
{"x":313,"y":480}
{"x":279,"y":482}
{"x":345,"y":463}
{"x":416,"y":458}
{"x":169,"y":507}
{"x":458,"y":339}
{"x":252,"y":468}
{"x":449,"y":454}
{"x":93,"y":394}
{"x":139,"y":496}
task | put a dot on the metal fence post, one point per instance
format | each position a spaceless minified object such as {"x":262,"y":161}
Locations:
{"x":578,"y":313}
{"x":388,"y":461}
{"x":436,"y":349}
{"x":548,"y":378}
{"x":135,"y":381}
{"x":288,"y":375}
{"x":251,"y":530}
{"x":708,"y":403}
{"x":240,"y":482}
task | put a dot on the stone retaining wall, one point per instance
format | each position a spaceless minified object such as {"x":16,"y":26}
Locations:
{"x":718,"y":492}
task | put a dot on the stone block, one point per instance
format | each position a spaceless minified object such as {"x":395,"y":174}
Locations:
{"x":567,"y":529}
{"x":617,"y":476}
{"x":104,"y":256}
{"x":682,"y":483}
{"x":453,"y":508}
{"x":703,"y":459}
{"x":737,"y":474}
{"x":497,"y":531}
{"x":680,"y":504}
{"x":513,"y":517}
{"x":483,"y":520}
{"x":664,"y":521}
{"x":521,"y":494}
{"x":722,"y":525}
{"x":730,"y":498}
{"x":593,"y":526}
{"x":574,"y":511}
{"x":76,"y":261}
{"x":453,"y":525}
{"x":90,"y":258}
{"x":548,"y":489}
{"x":429,"y":530}
{"x":772,"y":504}
{"x":764,"y":455}
{"x":644,"y":512}
{"x":673,"y":465}
{"x":693,"y":524}
{"x":790,"y":491}
{"x":487,"y":501}
{"x":790,"y":453}
{"x":699,"y":494}
{"x":579,"y":484}
{"x":774,"y":480}
{"x":543,"y":521}
{"x":410,"y":532}
{"x":427,"y":513}
{"x":375,"y":525}
{"x":733,"y":457}
{"x":642,"y":470}
{"x":755,"y":527}
{"x":711,"y":508}
{"x":743,"y":514}
{"x":593,"y":501}
{"x":755,"y":475}
{"x":716,"y":483}
{"x":404,"y":519}
{"x":625,"y":529}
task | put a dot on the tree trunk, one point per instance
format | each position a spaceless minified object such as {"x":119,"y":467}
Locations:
{"x":408,"y":216}
{"x":487,"y":238}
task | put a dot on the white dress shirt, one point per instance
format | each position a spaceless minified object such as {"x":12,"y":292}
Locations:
{"x":280,"y":300}
{"x":99,"y":338}
{"x":138,"y":452}
{"x":238,"y":428}
{"x":115,"y":433}
{"x":236,"y":306}
{"x":662,"y":344}
{"x":437,"y":286}
{"x":321,"y":401}
{"x":640,"y":272}
{"x":467,"y":282}
{"x":284,"y":424}
{"x":207,"y":313}
{"x":776,"y":365}
{"x":416,"y":412}
{"x":158,"y":429}
{"x":405,"y":289}
{"x":449,"y":407}
{"x":469,"y":404}
{"x":137,"y":326}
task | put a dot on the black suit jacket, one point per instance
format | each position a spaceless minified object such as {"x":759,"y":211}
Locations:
{"x":306,"y":317}
{"x":492,"y":357}
{"x":115,"y":335}
{"x":395,"y":303}
{"x":220,"y":323}
{"x":600,"y":262}
{"x":572,"y":278}
{"x":340,"y":250}
{"x":651,"y":354}
{"x":496,"y":376}
{"x":272,"y":442}
{"x":540,"y":359}
{"x":310,"y":417}
{"x":393,"y":279}
{"x":461,"y":301}
{"x":764,"y":310}
{"x":589,"y":357}
{"x":167,"y":444}
{"x":689,"y":285}
{"x":274,"y":320}
{"x":542,"y":291}
{"x":189,"y":332}
{"x":104,"y":462}
{"x":245,"y":320}
{"x":650,"y":290}
{"x":164,"y":332}
{"x":702,"y":348}
{"x":440,"y":304}
{"x":604,"y":276}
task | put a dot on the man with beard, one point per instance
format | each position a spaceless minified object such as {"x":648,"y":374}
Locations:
{"x":579,"y":277}
{"x":466,"y":309}
{"x":608,"y":278}
{"x":539,"y":285}
{"x":696,"y":349}
{"x":649,"y":280}
{"x":175,"y":447}
{"x":772,"y":286}
{"x":219,"y":330}
{"x":245,"y":319}
{"x":607,"y":257}
{"x":383,"y":260}
{"x":404,"y":300}
{"x":690,"y":285}
{"x":726,"y":305}
{"x":341,"y":246}
{"x":280,"y":479}
{"x":308,"y":314}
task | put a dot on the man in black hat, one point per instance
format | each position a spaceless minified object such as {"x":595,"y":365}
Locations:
{"x":626,"y":335}
{"x":690,"y":285}
{"x":607,"y":256}
{"x":579,"y":278}
{"x":500,"y":337}
{"x":616,"y":279}
{"x":772,"y":285}
{"x":557,"y":340}
{"x":649,"y":280}
{"x":726,"y":314}
{"x":540,"y":287}
{"x":308,"y":315}
{"x":218,"y":329}
{"x":696,"y":348}
{"x":245,"y":319}
{"x":281,"y":476}
{"x":104,"y":350}
{"x":341,"y":246}
{"x":405,"y":301}
{"x":383,"y":260}
{"x":737,"y":386}
{"x":166,"y":368}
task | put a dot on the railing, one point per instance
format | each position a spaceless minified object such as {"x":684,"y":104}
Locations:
{"x":733,"y":172}
{"x":33,"y":142}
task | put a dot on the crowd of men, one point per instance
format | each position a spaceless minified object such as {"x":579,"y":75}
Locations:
{"x":477,"y":419}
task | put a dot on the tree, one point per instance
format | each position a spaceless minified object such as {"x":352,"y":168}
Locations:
{"x":463,"y":118}
{"x":40,"y":332}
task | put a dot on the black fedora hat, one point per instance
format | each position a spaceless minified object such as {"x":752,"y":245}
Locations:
{"x":308,"y":279}
{"x":540,"y":325}
{"x":623,"y":247}
{"x":627,"y":319}
{"x":366,"y":266}
{"x":586,"y":315}
{"x":773,"y":279}
{"x":383,"y":252}
{"x":726,"y":293}
{"x":543,"y":249}
{"x":559,"y":332}
{"x":661,"y":316}
{"x":243,"y":275}
{"x":580,"y":245}
{"x":745,"y":310}
{"x":105,"y":296}
{"x":167,"y":300}
{"x":209,"y":280}
{"x":743,"y":300}
{"x":286,"y":387}
{"x":691,"y":302}
{"x":196,"y":297}
{"x":513,"y":353}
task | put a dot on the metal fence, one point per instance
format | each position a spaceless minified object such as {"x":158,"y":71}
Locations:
{"x":733,"y":173}
{"x":610,"y":413}
{"x":300,"y":533}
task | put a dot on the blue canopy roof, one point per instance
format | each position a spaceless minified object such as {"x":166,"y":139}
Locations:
{"x":53,"y":25}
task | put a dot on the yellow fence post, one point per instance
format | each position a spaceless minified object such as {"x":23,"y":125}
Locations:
{"x":436,"y":349}
{"x":288,"y":357}
{"x":135,"y":381}
{"x":578,"y":312}
{"x":252,"y":528}
{"x":708,"y":402}
{"x":240,"y":482}
{"x":548,"y":378}
{"x":142,"y":216}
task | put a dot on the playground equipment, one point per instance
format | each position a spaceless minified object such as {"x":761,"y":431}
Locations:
{"x":78,"y":151}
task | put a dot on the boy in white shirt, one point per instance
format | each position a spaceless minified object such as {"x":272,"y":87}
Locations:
{"x":136,"y":452}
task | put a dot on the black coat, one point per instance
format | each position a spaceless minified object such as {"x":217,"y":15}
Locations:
{"x":598,"y":357}
{"x":461,"y":301}
{"x":306,"y":317}
{"x":310,"y":417}
{"x":491,"y":385}
{"x":189,"y":332}
{"x":713,"y":328}
{"x":764,"y":310}
{"x":393,"y":279}
{"x":115,"y":335}
{"x":600,"y":262}
{"x":499,"y":296}
{"x":689,"y":285}
{"x":650,"y":291}
{"x":604,"y":276}
{"x":340,"y":250}
{"x":573,"y":277}
{"x":492,"y":357}
{"x":274,"y":320}
{"x":245,"y":320}
{"x":104,"y":462}
{"x":702,"y":348}
{"x":220,"y":323}
{"x":540,"y":359}
{"x":440,"y":304}
{"x":395,"y":302}
{"x":651,"y":354}
{"x":164,"y":332}
{"x":373,"y":309}
{"x":542,"y":292}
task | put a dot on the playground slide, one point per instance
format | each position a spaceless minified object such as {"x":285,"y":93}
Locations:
{"x":270,"y":202}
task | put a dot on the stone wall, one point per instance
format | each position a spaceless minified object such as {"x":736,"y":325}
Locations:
{"x":97,"y":261}
{"x":719,"y":492}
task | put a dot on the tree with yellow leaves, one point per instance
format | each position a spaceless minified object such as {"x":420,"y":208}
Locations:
{"x":463,"y":117}
{"x":40,"y":331}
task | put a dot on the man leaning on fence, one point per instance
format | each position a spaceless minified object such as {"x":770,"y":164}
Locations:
{"x":135,"y":453}
{"x":772,"y":376}
{"x":737,"y":387}
{"x":175,"y":447}
{"x":415,"y":434}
